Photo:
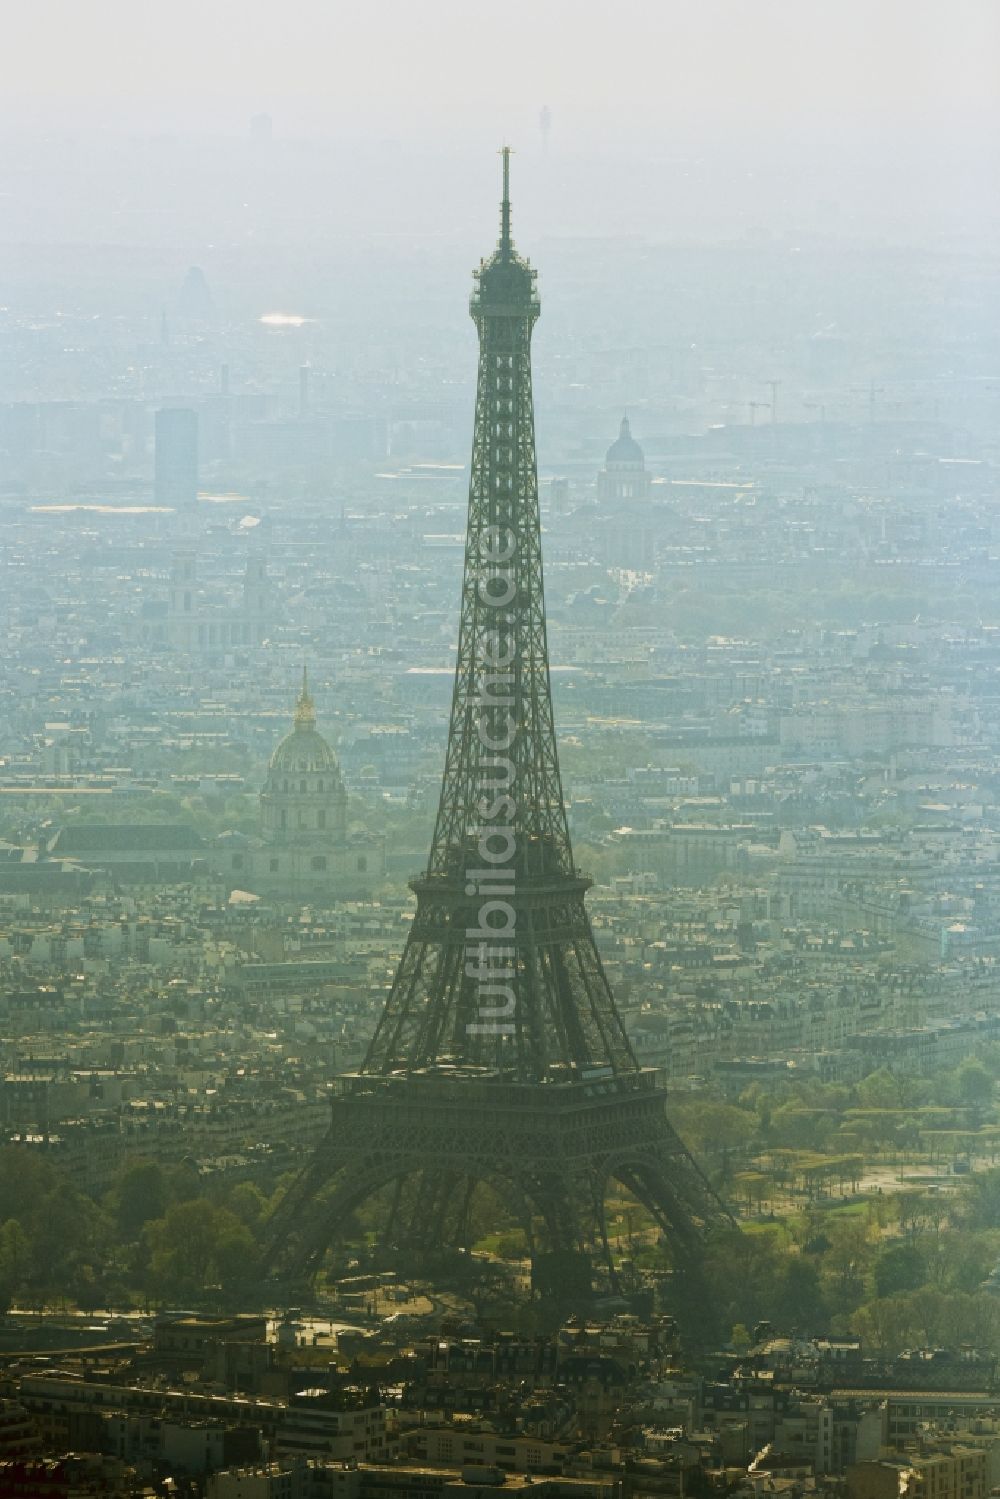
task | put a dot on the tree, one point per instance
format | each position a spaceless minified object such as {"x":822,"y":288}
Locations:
{"x":25,"y":1178}
{"x":933,"y":1315}
{"x":249,"y":1205}
{"x":801,"y":1295}
{"x":980,"y":1202}
{"x":196,"y":1245}
{"x":900,"y":1267}
{"x":234,"y":1255}
{"x":846,"y":1261}
{"x":885,"y":1323}
{"x":15,"y":1251}
{"x":140,"y":1193}
{"x":742,"y":1270}
{"x":801,"y":1128}
{"x":975,"y":1085}
{"x":967,"y":1259}
{"x":755,"y":1186}
{"x":182,"y":1244}
{"x":879,"y":1090}
{"x":712,"y":1128}
{"x":68,"y":1233}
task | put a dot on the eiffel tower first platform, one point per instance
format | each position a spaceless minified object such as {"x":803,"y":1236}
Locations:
{"x":500,"y":1056}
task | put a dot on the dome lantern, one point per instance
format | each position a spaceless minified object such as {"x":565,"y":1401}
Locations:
{"x":305,"y":708}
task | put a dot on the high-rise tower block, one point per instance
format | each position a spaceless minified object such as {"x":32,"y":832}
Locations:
{"x":175,"y":461}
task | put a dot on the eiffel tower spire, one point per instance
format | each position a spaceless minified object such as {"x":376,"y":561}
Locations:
{"x":500,"y":1055}
{"x":506,"y":244}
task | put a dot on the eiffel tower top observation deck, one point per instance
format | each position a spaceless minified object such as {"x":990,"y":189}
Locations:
{"x":506,"y":282}
{"x":500,"y":970}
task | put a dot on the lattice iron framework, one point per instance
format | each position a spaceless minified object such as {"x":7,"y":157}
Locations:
{"x":562,"y":1012}
{"x":534,"y":1089}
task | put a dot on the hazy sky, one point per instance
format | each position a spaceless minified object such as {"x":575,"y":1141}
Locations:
{"x":422,"y":67}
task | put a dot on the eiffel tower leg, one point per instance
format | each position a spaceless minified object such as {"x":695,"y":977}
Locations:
{"x":434,"y":1219}
{"x":464,"y":1227}
{"x":657,"y":1191}
{"x":312,"y":1215}
{"x":552,"y":1201}
{"x":395,"y":1212}
{"x":601,"y":1214}
{"x":654,"y":1188}
{"x":429,"y":1210}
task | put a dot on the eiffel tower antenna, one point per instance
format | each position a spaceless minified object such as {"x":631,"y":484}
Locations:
{"x":506,"y":245}
{"x":500,"y":1054}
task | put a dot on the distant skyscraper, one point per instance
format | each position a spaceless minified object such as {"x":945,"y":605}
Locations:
{"x":195,"y":300}
{"x":545,"y":125}
{"x":175,"y":460}
{"x":559,"y":496}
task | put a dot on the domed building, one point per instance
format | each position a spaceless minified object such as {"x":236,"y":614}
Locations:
{"x":304,"y":851}
{"x":624,"y":475}
{"x":304,"y":799}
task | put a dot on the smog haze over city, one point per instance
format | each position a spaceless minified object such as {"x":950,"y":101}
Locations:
{"x":500,"y":750}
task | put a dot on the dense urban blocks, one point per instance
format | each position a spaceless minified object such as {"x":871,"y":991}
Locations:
{"x":665,"y":1161}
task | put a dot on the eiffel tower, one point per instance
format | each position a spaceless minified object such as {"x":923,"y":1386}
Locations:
{"x":500,"y":1056}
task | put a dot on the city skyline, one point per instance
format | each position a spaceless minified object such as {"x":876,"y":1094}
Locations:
{"x":463,"y":1037}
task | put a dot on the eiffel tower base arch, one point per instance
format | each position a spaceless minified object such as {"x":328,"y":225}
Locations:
{"x":553,"y":1151}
